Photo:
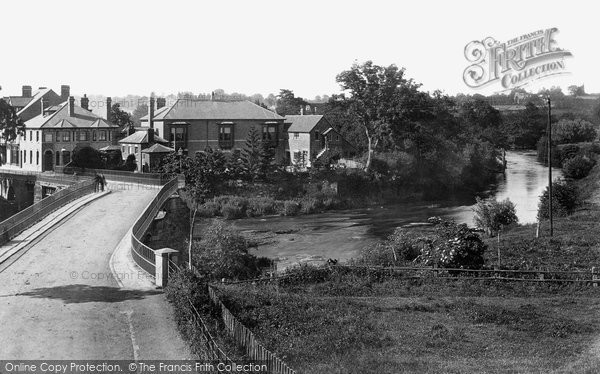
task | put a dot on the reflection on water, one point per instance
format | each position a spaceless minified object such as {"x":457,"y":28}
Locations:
{"x":341,"y":234}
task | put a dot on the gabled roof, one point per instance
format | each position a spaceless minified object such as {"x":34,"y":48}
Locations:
{"x":141,"y":137}
{"x":302,"y":123}
{"x":158,"y":148}
{"x":19,"y":101}
{"x":35,"y":98}
{"x":188,"y":109}
{"x":80,"y":118}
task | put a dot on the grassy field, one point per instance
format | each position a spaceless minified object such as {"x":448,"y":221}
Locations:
{"x":422,"y":334}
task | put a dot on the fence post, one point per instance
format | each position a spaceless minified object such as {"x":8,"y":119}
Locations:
{"x":161,"y":262}
{"x":594,"y":277}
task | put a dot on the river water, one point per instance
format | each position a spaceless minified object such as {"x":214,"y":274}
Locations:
{"x":342,"y":234}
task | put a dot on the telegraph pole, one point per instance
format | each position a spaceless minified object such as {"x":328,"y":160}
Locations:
{"x":550,"y":166}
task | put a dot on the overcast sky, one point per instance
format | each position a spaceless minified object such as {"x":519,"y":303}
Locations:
{"x":136,"y":47}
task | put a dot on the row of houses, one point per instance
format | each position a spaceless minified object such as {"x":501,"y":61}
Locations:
{"x":56,"y":124}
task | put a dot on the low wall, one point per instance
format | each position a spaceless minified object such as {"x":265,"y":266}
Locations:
{"x":29,"y":216}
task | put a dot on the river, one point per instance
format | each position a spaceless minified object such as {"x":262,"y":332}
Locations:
{"x":342,"y":234}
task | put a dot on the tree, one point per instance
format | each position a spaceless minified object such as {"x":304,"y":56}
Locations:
{"x":138,"y":113}
{"x":120,"y":117}
{"x":575,"y":90}
{"x":483,"y":121}
{"x":266,"y":159}
{"x":379,"y":98}
{"x":251,"y":155}
{"x":573,"y":131}
{"x":529,"y":126}
{"x":288,"y":104}
{"x":10,"y":124}
{"x":87,"y":157}
{"x":493,"y":216}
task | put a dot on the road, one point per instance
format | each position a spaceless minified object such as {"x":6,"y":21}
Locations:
{"x":61,"y":301}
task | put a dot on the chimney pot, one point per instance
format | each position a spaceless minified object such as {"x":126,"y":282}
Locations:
{"x":26,"y":91}
{"x":151,"y":136}
{"x":71,"y":106}
{"x":109,"y":109}
{"x":151,"y":112}
{"x":65,"y":92}
{"x":85,"y":102}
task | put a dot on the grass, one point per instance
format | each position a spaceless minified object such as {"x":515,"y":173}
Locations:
{"x":420,"y":334}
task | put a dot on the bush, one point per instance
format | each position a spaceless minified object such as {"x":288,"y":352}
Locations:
{"x":573,"y":131}
{"x":453,"y":246}
{"x":87,"y":157}
{"x":578,"y":167}
{"x":223,"y":253}
{"x":260,"y":206}
{"x":209,"y":209}
{"x":492,"y":215}
{"x":230,"y":211}
{"x":310,"y":205}
{"x":564,"y":200}
{"x":399,"y":248}
{"x":290,"y":208}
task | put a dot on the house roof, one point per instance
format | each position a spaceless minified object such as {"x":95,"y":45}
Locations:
{"x":19,"y":101}
{"x":110,"y":148}
{"x":302,"y":123}
{"x":188,"y":109}
{"x":141,"y":137}
{"x":158,"y":148}
{"x":80,"y":118}
{"x":35,"y":98}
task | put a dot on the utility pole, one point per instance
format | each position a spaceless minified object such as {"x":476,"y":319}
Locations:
{"x":550,"y":166}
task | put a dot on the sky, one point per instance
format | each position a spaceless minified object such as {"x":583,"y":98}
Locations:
{"x":115,"y":48}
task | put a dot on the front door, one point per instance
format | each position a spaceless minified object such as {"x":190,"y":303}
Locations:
{"x":48,"y":161}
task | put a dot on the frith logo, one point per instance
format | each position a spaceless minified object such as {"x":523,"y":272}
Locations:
{"x":516,"y":62}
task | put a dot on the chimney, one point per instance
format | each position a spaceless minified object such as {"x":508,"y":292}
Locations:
{"x":43,"y":102}
{"x":151,"y":112}
{"x":212,"y":95}
{"x":26,"y":91}
{"x":160,"y":102}
{"x":65,"y":92}
{"x":151,"y":136}
{"x":71,"y":106}
{"x":85,"y":102}
{"x":301,"y":110}
{"x":42,"y":88}
{"x":109,"y":109}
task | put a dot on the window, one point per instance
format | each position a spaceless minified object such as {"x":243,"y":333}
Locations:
{"x":296,"y":135}
{"x":102,"y":135}
{"x":66,"y":136}
{"x":37,"y":136}
{"x":24,"y":157}
{"x":178,"y":137}
{"x":93,"y":136}
{"x":270,"y":133}
{"x":48,"y":137}
{"x":31,"y":157}
{"x":57,"y":158}
{"x":226,"y":136}
{"x":122,"y":149}
{"x":83,"y":136}
{"x":37,"y":157}
{"x":135,"y":149}
{"x":337,"y":138}
{"x":317,"y":135}
{"x":30,"y":136}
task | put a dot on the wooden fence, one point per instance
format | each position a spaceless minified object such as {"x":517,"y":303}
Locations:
{"x":246,"y":339}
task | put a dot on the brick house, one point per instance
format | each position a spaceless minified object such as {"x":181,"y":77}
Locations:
{"x":310,"y":137}
{"x":51,"y":136}
{"x":195,"y":125}
{"x":29,"y":105}
{"x":139,"y":144}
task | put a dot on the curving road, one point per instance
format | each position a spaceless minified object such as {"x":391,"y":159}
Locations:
{"x":61,"y":301}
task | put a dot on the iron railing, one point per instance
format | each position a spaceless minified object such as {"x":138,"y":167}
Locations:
{"x":154,"y":179}
{"x":29,"y":216}
{"x":142,"y":254}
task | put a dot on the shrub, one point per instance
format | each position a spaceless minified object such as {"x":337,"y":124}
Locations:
{"x":231,"y":211}
{"x":573,"y":131}
{"x":260,"y":206}
{"x":223,"y":253}
{"x":578,"y":167}
{"x":310,"y":205}
{"x":453,"y":246}
{"x":564,"y":200}
{"x":290,"y":208}
{"x":492,"y":215}
{"x":87,"y":157}
{"x":209,"y":209}
{"x":400,"y":247}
